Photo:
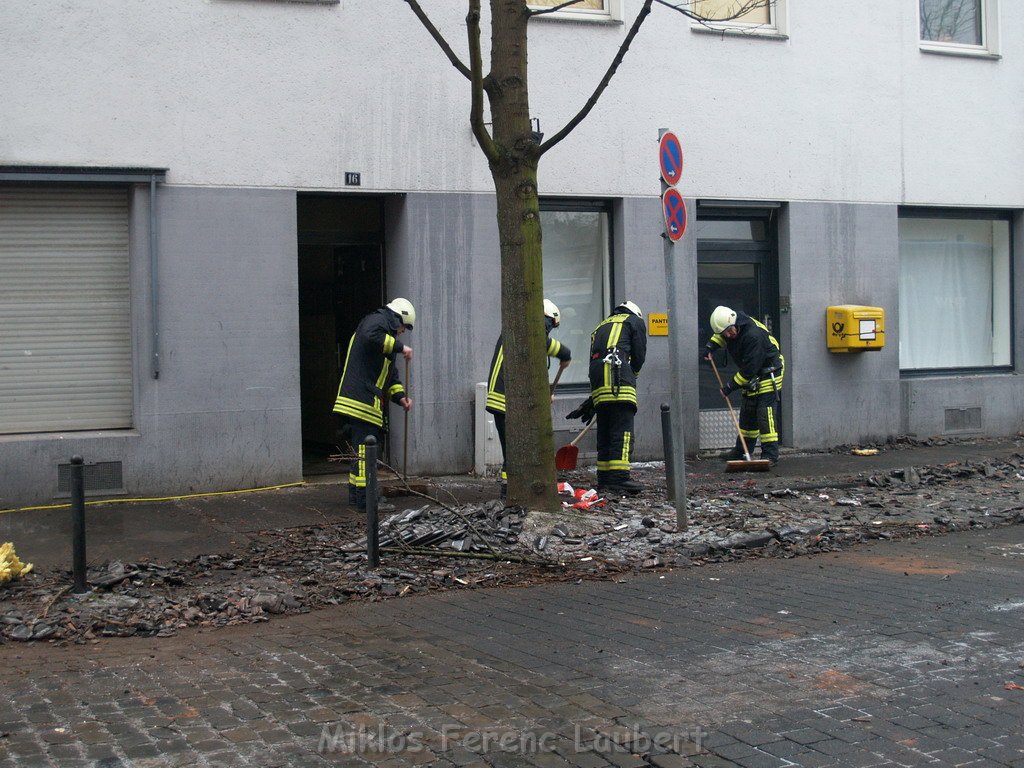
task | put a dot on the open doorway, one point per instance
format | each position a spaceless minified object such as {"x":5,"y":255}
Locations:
{"x":341,"y":279}
{"x":737,"y":267}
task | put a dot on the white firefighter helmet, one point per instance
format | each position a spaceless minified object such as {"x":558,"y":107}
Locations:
{"x":632,"y":308}
{"x":550,"y":310}
{"x":722,"y":318}
{"x":405,"y":310}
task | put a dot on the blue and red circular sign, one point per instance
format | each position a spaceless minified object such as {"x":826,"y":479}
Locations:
{"x":674,"y":208}
{"x":670,"y":158}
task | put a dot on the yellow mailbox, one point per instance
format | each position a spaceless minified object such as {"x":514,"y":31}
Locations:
{"x":853,"y":328}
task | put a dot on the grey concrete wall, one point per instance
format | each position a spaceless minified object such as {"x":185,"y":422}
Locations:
{"x":838,"y":254}
{"x":224,"y":412}
{"x":998,"y":397}
{"x":443,"y":255}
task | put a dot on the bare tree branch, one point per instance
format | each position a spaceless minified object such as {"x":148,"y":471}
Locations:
{"x":612,"y":68}
{"x":476,"y":110}
{"x":439,"y":38}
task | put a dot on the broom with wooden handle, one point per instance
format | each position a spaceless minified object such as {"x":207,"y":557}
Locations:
{"x":747,"y":464}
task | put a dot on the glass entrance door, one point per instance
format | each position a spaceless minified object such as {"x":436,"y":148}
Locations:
{"x":736,"y":267}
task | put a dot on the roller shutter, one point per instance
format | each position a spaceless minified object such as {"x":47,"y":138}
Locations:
{"x":65,"y":333}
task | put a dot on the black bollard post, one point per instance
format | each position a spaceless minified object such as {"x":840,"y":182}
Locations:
{"x":78,"y":525}
{"x":372,"y":534}
{"x":666,"y":438}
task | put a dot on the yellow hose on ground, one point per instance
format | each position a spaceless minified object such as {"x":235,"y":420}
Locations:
{"x":159,"y":498}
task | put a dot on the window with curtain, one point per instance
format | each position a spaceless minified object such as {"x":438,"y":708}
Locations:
{"x":576,"y":275}
{"x":954,"y":292}
{"x":599,"y":10}
{"x":749,"y":16}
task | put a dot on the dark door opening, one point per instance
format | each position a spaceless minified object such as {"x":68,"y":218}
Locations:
{"x":736,"y":267}
{"x":341,"y":279}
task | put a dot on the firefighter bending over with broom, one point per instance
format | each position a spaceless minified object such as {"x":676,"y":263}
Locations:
{"x":761,"y":367}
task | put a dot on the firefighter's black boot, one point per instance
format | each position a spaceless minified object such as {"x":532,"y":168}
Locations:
{"x":617,"y":483}
{"x":770,"y":452}
{"x":734,"y":453}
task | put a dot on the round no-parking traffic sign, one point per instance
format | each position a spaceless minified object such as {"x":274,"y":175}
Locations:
{"x":674,"y":208}
{"x":670,"y":158}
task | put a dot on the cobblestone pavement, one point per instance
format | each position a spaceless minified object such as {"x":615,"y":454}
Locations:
{"x":895,"y":654}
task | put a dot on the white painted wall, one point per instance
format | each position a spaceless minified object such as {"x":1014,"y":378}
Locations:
{"x":265,"y":93}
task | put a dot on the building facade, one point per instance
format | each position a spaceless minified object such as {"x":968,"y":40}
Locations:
{"x":200,"y":198}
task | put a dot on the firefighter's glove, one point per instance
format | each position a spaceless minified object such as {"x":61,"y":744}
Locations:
{"x":728,"y":388}
{"x":705,"y":353}
{"x":584,"y":412}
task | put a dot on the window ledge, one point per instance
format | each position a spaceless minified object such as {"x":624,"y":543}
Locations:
{"x":765,"y":33}
{"x":577,"y":18}
{"x":907,"y":374}
{"x":963,"y":53}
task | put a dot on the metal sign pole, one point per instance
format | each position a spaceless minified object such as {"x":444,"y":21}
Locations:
{"x":678,"y":458}
{"x":671,"y":170}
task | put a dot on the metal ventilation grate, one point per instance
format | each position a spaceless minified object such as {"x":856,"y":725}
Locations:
{"x":963,"y":419}
{"x":100,"y":477}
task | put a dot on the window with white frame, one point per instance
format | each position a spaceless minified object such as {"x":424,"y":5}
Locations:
{"x":959,"y":26}
{"x":576,"y":275}
{"x":755,"y":17}
{"x":955,"y":308}
{"x":581,"y":10}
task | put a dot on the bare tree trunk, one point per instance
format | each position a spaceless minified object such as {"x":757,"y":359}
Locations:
{"x":530,"y":447}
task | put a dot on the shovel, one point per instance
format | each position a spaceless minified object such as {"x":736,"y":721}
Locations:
{"x":565,"y":457}
{"x":747,"y":464}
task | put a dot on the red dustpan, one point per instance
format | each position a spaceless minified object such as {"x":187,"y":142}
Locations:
{"x":565,"y":457}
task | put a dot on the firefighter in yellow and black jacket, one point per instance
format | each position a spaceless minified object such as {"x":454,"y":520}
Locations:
{"x":618,"y":348}
{"x":761,"y":366}
{"x":368,"y":379}
{"x":496,"y":378}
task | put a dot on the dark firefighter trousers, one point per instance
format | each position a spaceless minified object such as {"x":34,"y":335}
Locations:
{"x":614,"y":442}
{"x":499,"y":426}
{"x":357,"y":469}
{"x":759,"y":421}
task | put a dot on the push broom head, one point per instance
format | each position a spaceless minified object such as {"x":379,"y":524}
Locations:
{"x":748,"y":465}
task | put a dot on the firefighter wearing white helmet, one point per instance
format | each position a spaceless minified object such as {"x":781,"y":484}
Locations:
{"x":761,"y":366}
{"x":405,"y":310}
{"x":369,"y":378}
{"x":496,"y":377}
{"x":618,"y":349}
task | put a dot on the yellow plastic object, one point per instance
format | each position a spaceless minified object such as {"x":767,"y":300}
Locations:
{"x":10,"y":566}
{"x":854,"y":328}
